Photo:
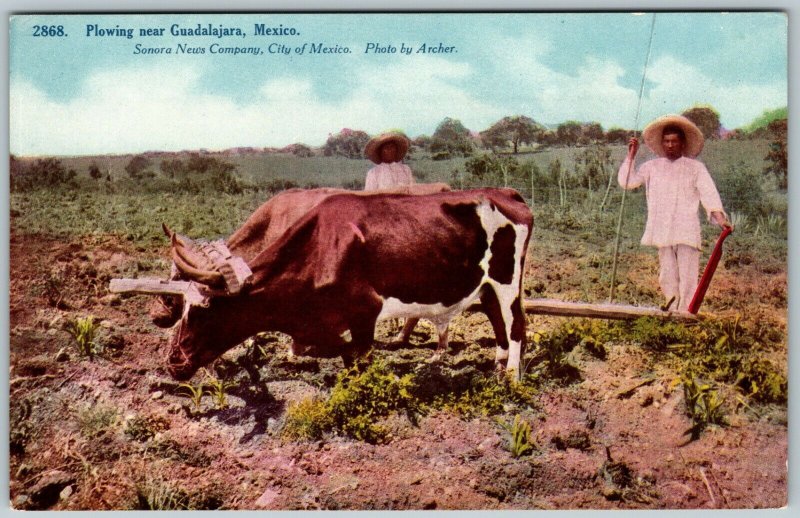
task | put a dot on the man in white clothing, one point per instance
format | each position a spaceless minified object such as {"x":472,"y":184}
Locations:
{"x":675,"y":185}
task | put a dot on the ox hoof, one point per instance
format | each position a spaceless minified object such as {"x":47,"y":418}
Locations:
{"x":400,"y":339}
{"x":435,"y":357}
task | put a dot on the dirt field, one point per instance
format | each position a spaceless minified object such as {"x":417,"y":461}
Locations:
{"x":115,"y":431}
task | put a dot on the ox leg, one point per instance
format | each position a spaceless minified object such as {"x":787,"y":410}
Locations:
{"x":442,"y":331}
{"x":508,"y":323}
{"x":405,"y":335}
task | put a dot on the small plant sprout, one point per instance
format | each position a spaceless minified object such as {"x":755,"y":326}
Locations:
{"x":216,"y":389}
{"x":193,"y":392}
{"x":519,"y":442}
{"x":84,"y":331}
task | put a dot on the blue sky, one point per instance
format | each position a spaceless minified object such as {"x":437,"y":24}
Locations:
{"x":90,"y":95}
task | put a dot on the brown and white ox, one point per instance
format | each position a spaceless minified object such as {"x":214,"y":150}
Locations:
{"x":267,"y":223}
{"x":353,"y":260}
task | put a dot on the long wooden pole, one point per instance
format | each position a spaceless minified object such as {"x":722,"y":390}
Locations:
{"x":630,"y":165}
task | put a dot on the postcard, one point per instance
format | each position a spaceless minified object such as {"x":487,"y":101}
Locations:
{"x":398,"y":261}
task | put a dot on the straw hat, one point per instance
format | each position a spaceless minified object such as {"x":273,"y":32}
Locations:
{"x":373,"y":148}
{"x":694,"y":137}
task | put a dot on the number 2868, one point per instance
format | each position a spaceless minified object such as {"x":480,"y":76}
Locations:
{"x":48,"y":30}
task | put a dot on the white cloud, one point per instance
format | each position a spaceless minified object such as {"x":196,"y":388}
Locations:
{"x":679,"y":86}
{"x":167,"y":107}
{"x":164,"y":108}
{"x":594,"y":92}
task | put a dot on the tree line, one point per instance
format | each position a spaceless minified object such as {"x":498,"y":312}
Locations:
{"x":507,"y":136}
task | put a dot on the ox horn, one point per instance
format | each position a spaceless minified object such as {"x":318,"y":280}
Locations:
{"x":182,"y":240}
{"x":192,"y":266}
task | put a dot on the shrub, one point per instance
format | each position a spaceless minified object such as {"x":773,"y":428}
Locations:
{"x":487,"y":396}
{"x":94,"y":172}
{"x":96,"y":420}
{"x":43,"y":173}
{"x":157,"y":494}
{"x":144,"y":428}
{"x":741,"y":189}
{"x":353,"y":185}
{"x":360,"y":399}
{"x":172,"y":168}
{"x":280,"y":184}
{"x":356,"y":404}
{"x":703,"y":404}
{"x":778,"y":153}
{"x":308,"y":419}
{"x":138,"y":168}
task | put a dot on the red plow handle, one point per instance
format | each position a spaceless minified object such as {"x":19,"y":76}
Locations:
{"x":708,"y":273}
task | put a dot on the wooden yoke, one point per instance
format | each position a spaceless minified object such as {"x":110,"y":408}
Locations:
{"x":234,"y":270}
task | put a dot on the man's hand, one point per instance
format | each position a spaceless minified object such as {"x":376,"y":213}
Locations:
{"x":720,"y":219}
{"x":633,"y":148}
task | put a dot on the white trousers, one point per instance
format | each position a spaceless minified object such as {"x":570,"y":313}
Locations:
{"x":679,"y":268}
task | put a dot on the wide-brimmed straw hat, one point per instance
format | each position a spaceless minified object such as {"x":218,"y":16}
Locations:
{"x":373,"y":148}
{"x":654,"y":132}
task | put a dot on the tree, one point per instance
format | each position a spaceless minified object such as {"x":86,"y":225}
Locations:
{"x":548,"y":138}
{"x":591,"y":133}
{"x":516,"y":130}
{"x":138,"y":168}
{"x":200,"y":163}
{"x":618,"y":136}
{"x":568,"y":133}
{"x":452,"y":138}
{"x":778,"y":153}
{"x":706,"y":118}
{"x":347,"y":143}
{"x":422,"y":142}
{"x":94,"y":171}
{"x":172,"y":168}
{"x":44,"y":172}
{"x":299,"y":150}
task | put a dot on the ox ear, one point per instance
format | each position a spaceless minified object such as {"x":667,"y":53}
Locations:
{"x":334,"y":245}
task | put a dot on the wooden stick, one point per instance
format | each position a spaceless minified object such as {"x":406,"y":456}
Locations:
{"x":708,"y":487}
{"x":151,"y":286}
{"x":609,"y":311}
{"x":192,"y":292}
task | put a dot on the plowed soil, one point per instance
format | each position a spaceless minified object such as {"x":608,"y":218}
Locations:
{"x":115,"y":431}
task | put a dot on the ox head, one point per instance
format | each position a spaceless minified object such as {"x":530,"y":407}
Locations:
{"x":211,"y":322}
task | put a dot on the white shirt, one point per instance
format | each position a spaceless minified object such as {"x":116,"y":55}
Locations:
{"x":385,"y":176}
{"x":674,"y":190}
